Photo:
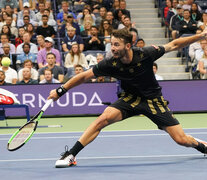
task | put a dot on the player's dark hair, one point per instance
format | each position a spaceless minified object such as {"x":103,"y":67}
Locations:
{"x":123,"y":34}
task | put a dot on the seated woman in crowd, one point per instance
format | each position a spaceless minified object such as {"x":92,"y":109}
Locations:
{"x":75,"y":57}
{"x":202,"y":24}
{"x":202,"y":65}
{"x":40,"y":42}
{"x":105,"y":30}
{"x":6,"y":30}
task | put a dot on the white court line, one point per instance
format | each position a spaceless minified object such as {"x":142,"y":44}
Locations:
{"x":107,"y":136}
{"x":107,"y":131}
{"x":107,"y":157}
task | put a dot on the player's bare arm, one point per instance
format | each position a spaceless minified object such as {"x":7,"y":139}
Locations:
{"x":184,"y":41}
{"x":75,"y":81}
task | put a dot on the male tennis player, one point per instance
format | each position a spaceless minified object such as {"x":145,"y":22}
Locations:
{"x":142,"y":93}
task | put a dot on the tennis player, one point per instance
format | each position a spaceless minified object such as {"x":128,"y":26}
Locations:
{"x":142,"y":93}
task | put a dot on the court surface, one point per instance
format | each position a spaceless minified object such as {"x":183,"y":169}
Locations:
{"x":117,"y":155}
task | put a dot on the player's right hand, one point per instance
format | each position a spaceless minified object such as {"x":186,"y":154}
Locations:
{"x":53,"y":95}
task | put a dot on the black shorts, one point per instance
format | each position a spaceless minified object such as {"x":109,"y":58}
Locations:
{"x":155,"y":109}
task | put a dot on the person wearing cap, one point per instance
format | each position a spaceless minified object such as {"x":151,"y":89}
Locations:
{"x":45,"y":29}
{"x":26,"y":6}
{"x":69,"y":22}
{"x":42,"y":54}
{"x":70,"y":38}
{"x":65,"y":9}
{"x":175,"y":21}
{"x":29,"y":3}
{"x":27,"y":39}
{"x":12,"y":3}
{"x":11,"y":74}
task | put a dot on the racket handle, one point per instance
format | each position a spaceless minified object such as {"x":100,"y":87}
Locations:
{"x":48,"y":102}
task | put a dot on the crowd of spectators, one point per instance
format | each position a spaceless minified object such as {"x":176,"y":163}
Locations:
{"x":50,"y":41}
{"x":186,"y":18}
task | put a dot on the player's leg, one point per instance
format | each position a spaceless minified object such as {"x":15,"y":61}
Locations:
{"x":178,"y":135}
{"x":109,"y":116}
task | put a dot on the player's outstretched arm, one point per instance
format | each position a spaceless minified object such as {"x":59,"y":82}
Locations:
{"x":184,"y":41}
{"x":74,"y":81}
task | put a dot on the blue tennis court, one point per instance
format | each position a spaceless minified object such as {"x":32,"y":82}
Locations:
{"x":117,"y":155}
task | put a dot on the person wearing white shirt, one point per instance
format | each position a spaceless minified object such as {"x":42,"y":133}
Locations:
{"x":26,"y":39}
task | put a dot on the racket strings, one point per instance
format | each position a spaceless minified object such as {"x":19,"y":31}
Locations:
{"x":22,"y":136}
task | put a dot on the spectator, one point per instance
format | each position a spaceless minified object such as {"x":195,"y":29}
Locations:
{"x":42,"y":55}
{"x":45,"y":29}
{"x":70,"y":38}
{"x":187,"y":25}
{"x":155,"y":68}
{"x":87,"y":17}
{"x":6,"y":30}
{"x":6,"y":53}
{"x":135,"y":36}
{"x":94,"y":42}
{"x":93,"y":61}
{"x":140,"y":43}
{"x":65,"y":9}
{"x":40,"y":42}
{"x":48,"y":77}
{"x":27,"y":39}
{"x":172,"y":11}
{"x":26,"y":19}
{"x":31,"y":30}
{"x":4,"y":40}
{"x":202,"y":64}
{"x":26,"y":72}
{"x":26,"y":55}
{"x":44,"y":11}
{"x":19,"y":39}
{"x":12,"y":3}
{"x":116,"y":6}
{"x":195,"y":13}
{"x":101,"y":16}
{"x":75,"y":56}
{"x":122,"y":6}
{"x":28,"y":64}
{"x":51,"y":20}
{"x":70,"y":22}
{"x":27,"y":11}
{"x":2,"y":78}
{"x":202,"y":24}
{"x":32,"y":4}
{"x":4,"y":15}
{"x":105,"y":30}
{"x":175,"y":21}
{"x":188,"y":5}
{"x":57,"y":71}
{"x":11,"y":13}
{"x":87,"y":27}
{"x":86,"y":11}
{"x":10,"y":23}
{"x":127,"y":23}
{"x":194,"y":47}
{"x":78,"y":69}
{"x":110,"y":18}
{"x":199,"y":52}
{"x":11,"y":74}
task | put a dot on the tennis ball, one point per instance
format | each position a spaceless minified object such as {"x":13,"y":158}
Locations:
{"x":6,"y":61}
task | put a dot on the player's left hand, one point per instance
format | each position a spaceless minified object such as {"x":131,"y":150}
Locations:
{"x":53,"y":95}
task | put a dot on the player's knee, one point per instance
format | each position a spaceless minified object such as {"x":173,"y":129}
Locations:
{"x":102,"y":122}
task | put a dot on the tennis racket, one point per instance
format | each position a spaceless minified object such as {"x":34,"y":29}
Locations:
{"x":24,"y":133}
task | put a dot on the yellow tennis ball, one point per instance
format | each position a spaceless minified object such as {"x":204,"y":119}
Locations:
{"x":6,"y":61}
